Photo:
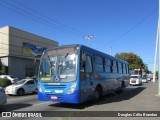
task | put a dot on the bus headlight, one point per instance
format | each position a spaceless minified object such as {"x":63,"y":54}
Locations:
{"x":39,"y":88}
{"x":72,"y":88}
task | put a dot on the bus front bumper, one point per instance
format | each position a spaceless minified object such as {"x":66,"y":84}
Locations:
{"x":64,"y":98}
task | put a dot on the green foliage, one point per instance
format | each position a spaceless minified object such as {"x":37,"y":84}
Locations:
{"x":4,"y":82}
{"x":135,"y":62}
{"x":3,"y":70}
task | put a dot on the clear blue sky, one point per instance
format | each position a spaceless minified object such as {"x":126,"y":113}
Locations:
{"x":124,"y":25}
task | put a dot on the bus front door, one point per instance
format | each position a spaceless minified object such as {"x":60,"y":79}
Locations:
{"x":87,"y":78}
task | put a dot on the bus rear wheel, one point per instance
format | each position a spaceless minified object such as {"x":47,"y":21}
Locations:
{"x":122,"y":87}
{"x":97,"y":95}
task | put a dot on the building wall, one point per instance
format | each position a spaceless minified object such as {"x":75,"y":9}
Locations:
{"x":18,"y":37}
{"x":4,"y":61}
{"x":17,"y":56}
{"x":4,"y":41}
{"x":21,"y":67}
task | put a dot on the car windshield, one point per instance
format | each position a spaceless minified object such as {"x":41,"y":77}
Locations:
{"x":12,"y":76}
{"x":20,"y":82}
{"x":133,"y":76}
{"x":58,"y":66}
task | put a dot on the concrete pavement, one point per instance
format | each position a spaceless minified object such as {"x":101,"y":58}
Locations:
{"x":138,"y":98}
{"x":143,"y":98}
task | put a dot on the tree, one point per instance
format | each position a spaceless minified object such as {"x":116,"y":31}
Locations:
{"x":4,"y":82}
{"x":3,"y":70}
{"x":135,"y":62}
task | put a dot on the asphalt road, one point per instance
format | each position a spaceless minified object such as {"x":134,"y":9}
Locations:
{"x":30,"y":102}
{"x":135,"y":98}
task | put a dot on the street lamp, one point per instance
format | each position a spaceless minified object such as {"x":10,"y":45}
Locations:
{"x":89,"y":39}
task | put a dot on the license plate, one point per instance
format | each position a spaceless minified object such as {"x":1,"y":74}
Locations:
{"x":133,"y":81}
{"x":54,"y":97}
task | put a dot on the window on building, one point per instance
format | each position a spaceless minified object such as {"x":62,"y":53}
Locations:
{"x":30,"y":70}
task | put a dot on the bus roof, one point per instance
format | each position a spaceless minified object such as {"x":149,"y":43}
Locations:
{"x":89,"y":49}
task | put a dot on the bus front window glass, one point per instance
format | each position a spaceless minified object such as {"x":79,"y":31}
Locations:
{"x":58,"y":65}
{"x":67,"y":67}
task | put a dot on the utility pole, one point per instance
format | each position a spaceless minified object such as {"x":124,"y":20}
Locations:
{"x":157,"y":52}
{"x":89,"y":39}
{"x":111,"y":51}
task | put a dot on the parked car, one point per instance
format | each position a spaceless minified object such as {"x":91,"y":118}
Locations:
{"x":135,"y":80}
{"x":3,"y":97}
{"x":22,"y":87}
{"x":150,"y":77}
{"x":33,"y":77}
{"x":10,"y":77}
{"x":144,"y":79}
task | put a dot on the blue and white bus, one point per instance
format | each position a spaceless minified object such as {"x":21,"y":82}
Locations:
{"x":76,"y":73}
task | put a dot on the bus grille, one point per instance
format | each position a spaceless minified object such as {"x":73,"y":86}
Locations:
{"x":54,"y":86}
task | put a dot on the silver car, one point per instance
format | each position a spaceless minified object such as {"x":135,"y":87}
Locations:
{"x":3,"y":97}
{"x":10,"y":77}
{"x":22,"y":87}
{"x":144,"y":79}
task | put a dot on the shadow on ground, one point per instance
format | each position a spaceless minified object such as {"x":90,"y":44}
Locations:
{"x":110,"y":98}
{"x":12,"y":107}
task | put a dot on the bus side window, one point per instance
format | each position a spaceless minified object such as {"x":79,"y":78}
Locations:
{"x":124,"y":68}
{"x":114,"y":66}
{"x":88,"y":64}
{"x":107,"y":65}
{"x":119,"y":67}
{"x":86,"y":67}
{"x":82,"y":62}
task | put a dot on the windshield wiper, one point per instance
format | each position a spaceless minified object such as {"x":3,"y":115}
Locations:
{"x":66,"y":55}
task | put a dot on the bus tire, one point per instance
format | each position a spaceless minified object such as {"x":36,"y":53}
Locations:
{"x":97,"y":94}
{"x":122,"y":88}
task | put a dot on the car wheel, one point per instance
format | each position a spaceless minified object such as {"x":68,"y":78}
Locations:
{"x":20,"y":92}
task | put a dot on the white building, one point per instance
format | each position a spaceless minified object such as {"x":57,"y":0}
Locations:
{"x":17,"y":50}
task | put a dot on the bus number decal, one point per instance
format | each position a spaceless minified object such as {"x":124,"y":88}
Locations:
{"x":58,"y":91}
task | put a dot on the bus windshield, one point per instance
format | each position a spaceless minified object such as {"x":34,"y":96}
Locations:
{"x":58,"y":65}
